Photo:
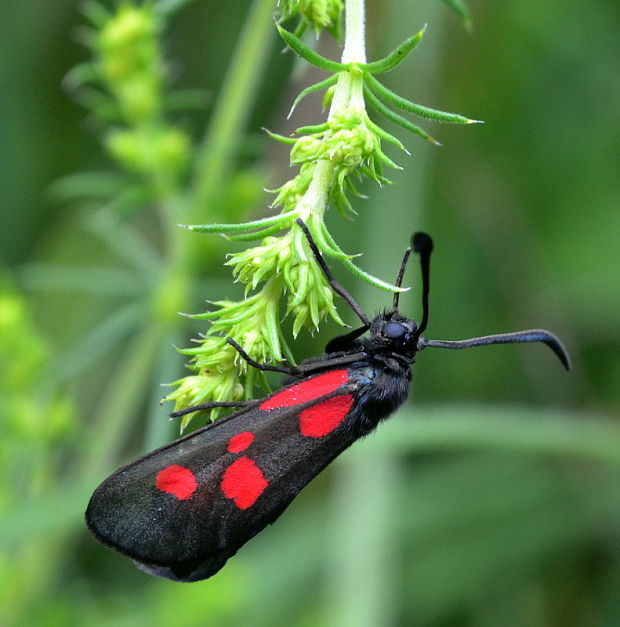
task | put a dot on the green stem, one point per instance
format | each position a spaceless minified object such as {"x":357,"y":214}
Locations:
{"x":314,"y":201}
{"x":232,"y":108}
{"x":124,"y":396}
{"x":355,"y":32}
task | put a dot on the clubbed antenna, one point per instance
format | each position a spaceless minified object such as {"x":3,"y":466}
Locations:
{"x":423,"y":245}
{"x":531,"y":335}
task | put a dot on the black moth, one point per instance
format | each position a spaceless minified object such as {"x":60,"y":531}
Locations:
{"x":182,"y":510}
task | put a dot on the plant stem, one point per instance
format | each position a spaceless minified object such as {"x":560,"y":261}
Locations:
{"x":346,"y":97}
{"x":314,"y":201}
{"x":123,"y":399}
{"x":355,"y":32}
{"x":232,"y":108}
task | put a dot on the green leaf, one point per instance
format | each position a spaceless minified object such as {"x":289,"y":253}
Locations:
{"x":241,"y":227}
{"x":358,"y":272}
{"x":95,"y":12}
{"x":310,"y":55}
{"x":395,"y":57}
{"x":326,"y":243}
{"x":425,"y":112}
{"x":127,"y":244}
{"x":384,"y":135}
{"x":498,"y":428}
{"x":67,"y":278}
{"x":460,"y":8}
{"x":316,"y":128}
{"x":97,"y":343}
{"x":378,"y":106}
{"x":272,"y":325}
{"x":328,"y":82}
{"x":82,"y":185}
{"x":165,"y":8}
{"x":224,"y":310}
{"x":255,"y":235}
{"x":280,"y":138}
{"x":82,"y":74}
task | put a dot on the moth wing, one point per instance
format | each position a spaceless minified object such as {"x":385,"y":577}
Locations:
{"x":184,"y":509}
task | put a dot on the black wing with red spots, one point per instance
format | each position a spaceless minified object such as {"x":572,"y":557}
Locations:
{"x":184,"y":509}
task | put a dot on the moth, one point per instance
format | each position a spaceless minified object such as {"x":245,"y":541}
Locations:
{"x":184,"y":509}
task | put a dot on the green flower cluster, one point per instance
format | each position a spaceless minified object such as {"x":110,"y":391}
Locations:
{"x":129,"y":75}
{"x":24,"y":356}
{"x":217,"y":379}
{"x":316,"y":14}
{"x":282,"y":266}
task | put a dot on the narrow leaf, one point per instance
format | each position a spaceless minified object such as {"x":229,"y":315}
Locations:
{"x":308,"y":54}
{"x":165,"y":8}
{"x":379,"y":107}
{"x":316,"y":128}
{"x":328,"y":82}
{"x":396,"y":56}
{"x":272,"y":326}
{"x":460,"y":8}
{"x":255,"y":235}
{"x":411,"y":107}
{"x":241,"y":227}
{"x":68,"y":278}
{"x":95,"y":12}
{"x":385,"y":135}
{"x":127,"y":244}
{"x":97,"y":343}
{"x":358,"y":272}
{"x":280,"y":138}
{"x":81,"y":185}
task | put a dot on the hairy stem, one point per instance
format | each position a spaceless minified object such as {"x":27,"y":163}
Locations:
{"x":355,"y":33}
{"x":314,"y":201}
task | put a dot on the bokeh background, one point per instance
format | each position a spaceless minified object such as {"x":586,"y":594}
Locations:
{"x":493,"y":498}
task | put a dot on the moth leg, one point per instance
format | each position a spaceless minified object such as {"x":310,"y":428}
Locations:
{"x":339,"y":289}
{"x":289,"y":370}
{"x":212,"y":405}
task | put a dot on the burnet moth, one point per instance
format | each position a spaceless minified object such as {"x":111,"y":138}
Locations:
{"x":182,"y":510}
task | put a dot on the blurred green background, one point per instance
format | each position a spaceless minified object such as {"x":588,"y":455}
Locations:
{"x":493,"y":498}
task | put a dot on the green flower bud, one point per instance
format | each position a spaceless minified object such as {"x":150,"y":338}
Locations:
{"x":292,"y":191}
{"x":149,"y":151}
{"x":126,"y":43}
{"x":139,"y":99}
{"x":260,"y":263}
{"x":310,"y":298}
{"x":317,"y":13}
{"x":211,"y":386}
{"x":172,"y":150}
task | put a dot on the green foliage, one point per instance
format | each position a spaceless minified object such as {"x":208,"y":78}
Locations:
{"x":503,"y":512}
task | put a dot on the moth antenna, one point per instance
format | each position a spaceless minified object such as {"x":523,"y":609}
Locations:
{"x":339,"y":289}
{"x":423,"y":245}
{"x":530,"y":335}
{"x":399,"y":278}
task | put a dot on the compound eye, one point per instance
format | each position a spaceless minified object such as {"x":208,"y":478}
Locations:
{"x":394,"y":331}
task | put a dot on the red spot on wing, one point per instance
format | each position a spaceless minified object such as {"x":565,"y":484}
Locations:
{"x":321,"y":419}
{"x":240,"y":442}
{"x":307,"y":390}
{"x":176,"y":480}
{"x":244,"y":482}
